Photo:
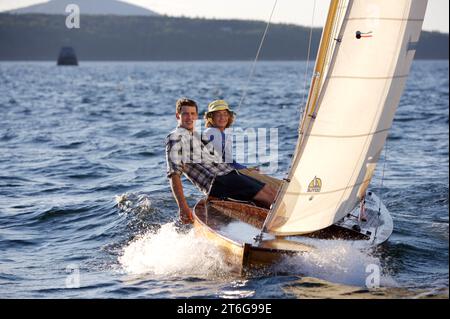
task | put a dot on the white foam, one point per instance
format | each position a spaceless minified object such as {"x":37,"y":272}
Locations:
{"x":339,"y":262}
{"x":137,"y":203}
{"x":171,"y":253}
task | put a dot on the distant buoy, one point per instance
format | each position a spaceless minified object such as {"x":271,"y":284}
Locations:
{"x":67,"y":56}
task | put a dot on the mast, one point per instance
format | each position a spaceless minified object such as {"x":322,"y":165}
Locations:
{"x":321,"y":59}
{"x":311,"y":104}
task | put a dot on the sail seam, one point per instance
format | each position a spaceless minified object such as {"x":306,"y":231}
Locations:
{"x":349,"y":136}
{"x":385,"y":19}
{"x":368,"y":77}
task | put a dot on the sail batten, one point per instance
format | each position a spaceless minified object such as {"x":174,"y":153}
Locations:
{"x":350,"y":111}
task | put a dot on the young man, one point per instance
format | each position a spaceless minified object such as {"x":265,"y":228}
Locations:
{"x":186,"y":154}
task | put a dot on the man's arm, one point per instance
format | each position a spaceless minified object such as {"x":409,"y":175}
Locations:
{"x":177,"y":191}
{"x":174,"y":171}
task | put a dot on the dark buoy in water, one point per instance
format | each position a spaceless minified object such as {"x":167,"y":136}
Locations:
{"x":67,"y":56}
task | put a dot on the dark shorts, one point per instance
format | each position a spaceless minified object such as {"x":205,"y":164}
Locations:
{"x":236,"y":186}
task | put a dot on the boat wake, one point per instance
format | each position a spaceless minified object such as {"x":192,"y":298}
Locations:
{"x":340,"y":262}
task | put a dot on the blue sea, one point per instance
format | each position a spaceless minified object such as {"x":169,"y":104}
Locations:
{"x":86,"y":209}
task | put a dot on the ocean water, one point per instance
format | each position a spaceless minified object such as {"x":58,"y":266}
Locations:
{"x":86,"y":210}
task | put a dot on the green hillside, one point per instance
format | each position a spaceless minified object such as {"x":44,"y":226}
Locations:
{"x":39,"y":37}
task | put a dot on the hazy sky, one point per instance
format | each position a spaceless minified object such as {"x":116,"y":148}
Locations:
{"x":290,"y":11}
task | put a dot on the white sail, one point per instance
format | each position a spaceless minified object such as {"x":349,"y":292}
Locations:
{"x":372,"y":49}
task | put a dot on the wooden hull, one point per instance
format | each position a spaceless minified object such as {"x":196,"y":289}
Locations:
{"x":233,"y":251}
{"x":233,"y":227}
{"x":235,"y":237}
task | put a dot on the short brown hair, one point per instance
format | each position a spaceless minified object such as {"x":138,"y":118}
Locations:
{"x":185,"y":102}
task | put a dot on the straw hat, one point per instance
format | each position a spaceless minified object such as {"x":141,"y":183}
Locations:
{"x":218,"y":105}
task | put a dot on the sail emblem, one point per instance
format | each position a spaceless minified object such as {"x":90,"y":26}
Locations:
{"x":315,"y":185}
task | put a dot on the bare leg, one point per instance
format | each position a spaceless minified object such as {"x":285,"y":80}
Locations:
{"x":266,"y":196}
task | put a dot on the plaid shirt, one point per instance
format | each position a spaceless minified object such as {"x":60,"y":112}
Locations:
{"x":187,"y":154}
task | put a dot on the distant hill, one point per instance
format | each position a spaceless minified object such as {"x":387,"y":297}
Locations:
{"x":161,"y":38}
{"x":93,"y":7}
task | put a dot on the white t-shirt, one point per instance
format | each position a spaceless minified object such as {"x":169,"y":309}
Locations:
{"x":222,"y":142}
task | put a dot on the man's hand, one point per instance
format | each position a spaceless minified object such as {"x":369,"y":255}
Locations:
{"x":184,"y":211}
{"x":186,"y":215}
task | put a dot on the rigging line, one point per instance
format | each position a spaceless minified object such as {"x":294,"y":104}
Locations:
{"x":244,"y":94}
{"x":381,"y":185}
{"x":302,"y":105}
{"x":335,"y":33}
{"x":385,"y":160}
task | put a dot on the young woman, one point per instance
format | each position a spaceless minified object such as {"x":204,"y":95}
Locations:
{"x":218,"y":118}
